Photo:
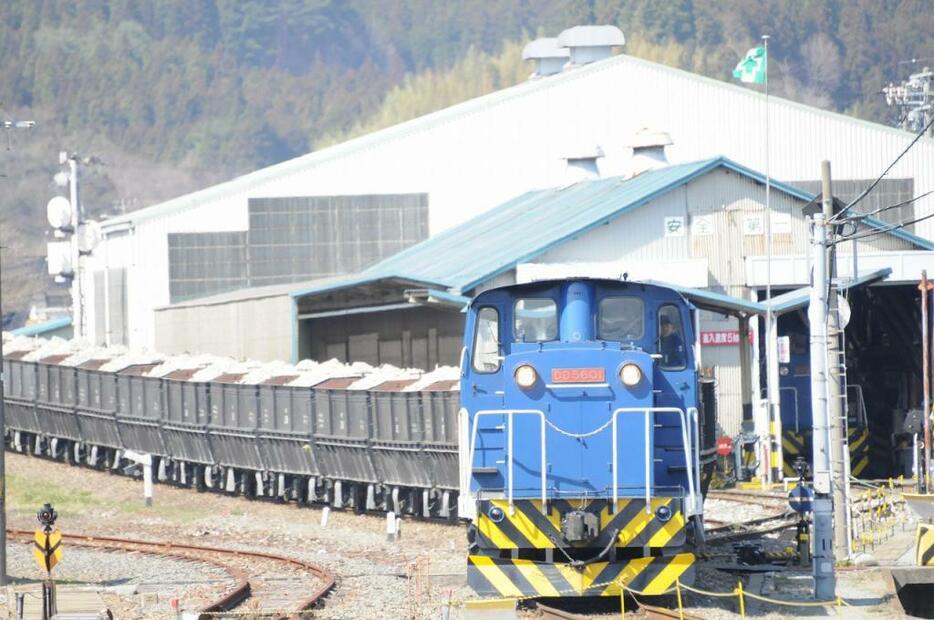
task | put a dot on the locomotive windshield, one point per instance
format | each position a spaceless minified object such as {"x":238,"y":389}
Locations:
{"x":536,"y":320}
{"x":621,"y":319}
{"x":486,"y":344}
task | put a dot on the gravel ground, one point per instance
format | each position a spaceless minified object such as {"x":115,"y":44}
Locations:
{"x":412,"y":578}
{"x":729,"y":511}
{"x":134,"y":585}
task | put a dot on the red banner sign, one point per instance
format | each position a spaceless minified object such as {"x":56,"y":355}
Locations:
{"x":724,"y":446}
{"x":578,"y":375}
{"x":721,"y":338}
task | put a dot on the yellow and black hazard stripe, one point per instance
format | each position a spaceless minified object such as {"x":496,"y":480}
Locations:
{"x":520,"y":578}
{"x":793,"y":445}
{"x":858,"y":438}
{"x":924,"y":544}
{"x":527,"y":527}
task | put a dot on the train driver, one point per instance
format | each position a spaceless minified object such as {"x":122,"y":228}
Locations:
{"x":671,"y":345}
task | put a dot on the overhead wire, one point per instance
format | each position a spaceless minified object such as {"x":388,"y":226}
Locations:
{"x":887,"y":229}
{"x":888,"y":168}
{"x":895,"y":206}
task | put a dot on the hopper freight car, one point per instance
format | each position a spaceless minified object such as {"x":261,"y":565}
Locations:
{"x":351,"y":436}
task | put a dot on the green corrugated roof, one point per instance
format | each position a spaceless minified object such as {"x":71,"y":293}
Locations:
{"x":800,"y":298}
{"x":525,"y":227}
{"x":40,"y":329}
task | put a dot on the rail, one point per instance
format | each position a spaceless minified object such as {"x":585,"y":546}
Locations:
{"x":739,"y":594}
{"x":233,"y":596}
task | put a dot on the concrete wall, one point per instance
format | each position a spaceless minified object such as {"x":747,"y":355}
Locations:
{"x":258,"y":329}
{"x":416,"y":337}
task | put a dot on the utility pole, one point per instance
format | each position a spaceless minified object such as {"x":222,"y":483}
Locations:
{"x":4,"y":580}
{"x":835,"y":387}
{"x":923,"y":476}
{"x":77,"y":219}
{"x":824,"y":579}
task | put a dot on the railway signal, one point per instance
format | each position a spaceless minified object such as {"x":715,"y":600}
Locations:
{"x":48,"y":549}
{"x":801,"y":499}
{"x":48,"y":553}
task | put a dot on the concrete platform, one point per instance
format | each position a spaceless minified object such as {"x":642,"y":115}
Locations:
{"x":74,"y":601}
{"x":868,"y":589}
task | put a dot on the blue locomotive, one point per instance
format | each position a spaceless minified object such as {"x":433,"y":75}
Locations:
{"x":580,"y":439}
{"x":795,"y":386}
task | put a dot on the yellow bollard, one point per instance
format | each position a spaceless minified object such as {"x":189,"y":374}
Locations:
{"x":839,"y":607}
{"x":742,"y":603}
{"x":680,"y":605}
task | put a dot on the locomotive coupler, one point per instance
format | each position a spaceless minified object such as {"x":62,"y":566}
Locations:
{"x":580,"y":526}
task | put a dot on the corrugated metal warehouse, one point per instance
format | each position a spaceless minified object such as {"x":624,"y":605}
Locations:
{"x":695,"y":225}
{"x":444,"y":168}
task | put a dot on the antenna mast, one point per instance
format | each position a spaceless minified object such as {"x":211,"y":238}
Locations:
{"x":914,"y":98}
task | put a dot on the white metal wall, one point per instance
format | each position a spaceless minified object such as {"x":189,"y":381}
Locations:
{"x":475,"y":155}
{"x":727,"y":199}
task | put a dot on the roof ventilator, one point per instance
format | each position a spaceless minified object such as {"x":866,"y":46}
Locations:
{"x":582,"y":164}
{"x":648,"y":150}
{"x":587,"y":44}
{"x":549,"y":57}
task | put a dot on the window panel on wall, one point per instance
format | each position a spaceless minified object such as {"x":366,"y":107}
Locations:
{"x":117,"y":306}
{"x":887,"y":193}
{"x":296,"y":239}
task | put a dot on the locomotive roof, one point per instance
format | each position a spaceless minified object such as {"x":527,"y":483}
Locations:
{"x":651,"y":287}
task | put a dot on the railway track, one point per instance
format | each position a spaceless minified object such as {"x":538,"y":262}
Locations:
{"x":651,"y":612}
{"x":748,"y":497}
{"x":264,"y":583}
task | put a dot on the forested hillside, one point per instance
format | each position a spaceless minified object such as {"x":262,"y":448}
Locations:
{"x":176,"y":94}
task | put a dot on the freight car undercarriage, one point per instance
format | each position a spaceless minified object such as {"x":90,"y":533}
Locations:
{"x":260,"y":485}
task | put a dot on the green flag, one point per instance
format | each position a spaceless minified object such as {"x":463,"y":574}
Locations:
{"x":752,"y":68}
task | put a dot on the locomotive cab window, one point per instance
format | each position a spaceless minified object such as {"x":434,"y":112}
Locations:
{"x":536,"y":320}
{"x":486,"y":355}
{"x":621,"y":319}
{"x":671,"y":339}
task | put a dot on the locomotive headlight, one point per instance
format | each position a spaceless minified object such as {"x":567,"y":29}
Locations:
{"x":496,"y":514}
{"x":630,"y":375}
{"x":525,"y":376}
{"x":663,"y":513}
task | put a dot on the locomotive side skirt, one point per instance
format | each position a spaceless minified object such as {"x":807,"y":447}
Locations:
{"x":517,"y":578}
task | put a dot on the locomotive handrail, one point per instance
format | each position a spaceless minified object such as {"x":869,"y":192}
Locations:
{"x":509,"y":413}
{"x":688,"y":460}
{"x":694,"y":416}
{"x":689,"y":440}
